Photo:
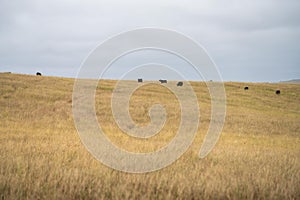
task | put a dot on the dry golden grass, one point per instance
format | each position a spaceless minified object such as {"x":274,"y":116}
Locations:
{"x":42,"y":157}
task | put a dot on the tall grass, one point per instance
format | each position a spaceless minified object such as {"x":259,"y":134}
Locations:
{"x":42,"y":157}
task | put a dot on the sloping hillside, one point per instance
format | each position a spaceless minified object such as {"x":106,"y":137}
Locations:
{"x":257,"y":155}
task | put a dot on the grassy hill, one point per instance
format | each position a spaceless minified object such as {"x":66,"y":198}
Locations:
{"x":42,"y":157}
{"x":293,"y":81}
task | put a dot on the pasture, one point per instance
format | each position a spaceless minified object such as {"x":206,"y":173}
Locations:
{"x":42,"y":157}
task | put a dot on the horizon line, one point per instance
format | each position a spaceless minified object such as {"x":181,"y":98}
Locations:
{"x":145,"y":79}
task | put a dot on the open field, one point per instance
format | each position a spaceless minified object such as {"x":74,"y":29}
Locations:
{"x":42,"y":157}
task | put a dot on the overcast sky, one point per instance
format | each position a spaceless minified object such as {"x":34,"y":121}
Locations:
{"x":254,"y":40}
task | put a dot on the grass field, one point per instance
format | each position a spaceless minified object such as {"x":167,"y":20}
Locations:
{"x":42,"y":157}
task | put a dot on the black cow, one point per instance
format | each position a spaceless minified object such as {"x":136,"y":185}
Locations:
{"x":246,"y":88}
{"x":39,"y":74}
{"x":163,"y":81}
{"x":277,"y":91}
{"x":140,"y":80}
{"x":180,"y":83}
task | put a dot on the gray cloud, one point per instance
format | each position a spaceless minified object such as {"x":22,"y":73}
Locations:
{"x":249,"y":40}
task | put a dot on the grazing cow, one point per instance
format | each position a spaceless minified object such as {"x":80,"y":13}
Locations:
{"x":246,"y":88}
{"x":140,"y":80}
{"x":39,"y":74}
{"x":180,"y":83}
{"x":277,"y":91}
{"x":163,"y":81}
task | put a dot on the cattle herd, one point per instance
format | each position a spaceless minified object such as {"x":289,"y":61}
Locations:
{"x":179,"y":84}
{"x":276,"y":92}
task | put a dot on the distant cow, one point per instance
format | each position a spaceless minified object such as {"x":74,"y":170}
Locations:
{"x":277,"y":91}
{"x":246,"y":88}
{"x":140,"y":80}
{"x":163,"y":81}
{"x":180,"y":83}
{"x":39,"y":74}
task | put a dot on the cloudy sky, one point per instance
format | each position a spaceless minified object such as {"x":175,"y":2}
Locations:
{"x":250,"y":40}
